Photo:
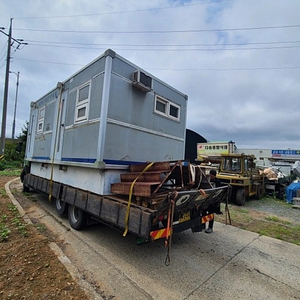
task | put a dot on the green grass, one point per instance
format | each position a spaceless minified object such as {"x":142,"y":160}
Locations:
{"x":3,"y":192}
{"x":41,"y":228}
{"x":279,"y":231}
{"x":270,"y":200}
{"x":11,"y":172}
{"x":10,"y":222}
{"x":4,"y":233}
{"x":262,"y":223}
{"x":278,"y":220}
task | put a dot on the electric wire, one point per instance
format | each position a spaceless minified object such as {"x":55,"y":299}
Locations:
{"x":165,"y":45}
{"x":158,"y":31}
{"x":48,"y":62}
{"x":180,"y":50}
{"x":3,"y":50}
{"x":125,"y":12}
{"x":177,"y":69}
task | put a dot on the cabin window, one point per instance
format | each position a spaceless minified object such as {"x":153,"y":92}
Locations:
{"x":41,"y":117}
{"x":82,"y":103}
{"x":161,"y":106}
{"x":174,"y":111}
{"x":167,"y":108}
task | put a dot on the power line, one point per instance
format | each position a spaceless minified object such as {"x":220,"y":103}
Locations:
{"x":165,"y":45}
{"x":3,"y":49}
{"x":125,"y":12}
{"x":2,"y":57}
{"x":159,"y":31}
{"x":183,"y":69}
{"x":226,"y":69}
{"x":180,"y":50}
{"x":49,"y":62}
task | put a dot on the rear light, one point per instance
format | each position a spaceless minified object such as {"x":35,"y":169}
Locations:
{"x":160,"y":218}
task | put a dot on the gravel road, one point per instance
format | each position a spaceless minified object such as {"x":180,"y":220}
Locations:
{"x":275,"y":207}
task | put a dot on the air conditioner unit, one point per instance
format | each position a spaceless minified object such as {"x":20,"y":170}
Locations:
{"x":142,"y":81}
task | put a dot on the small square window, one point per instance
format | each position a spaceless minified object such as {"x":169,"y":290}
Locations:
{"x":174,"y":111}
{"x":83,"y":93}
{"x":161,"y":106}
{"x":81,"y":112}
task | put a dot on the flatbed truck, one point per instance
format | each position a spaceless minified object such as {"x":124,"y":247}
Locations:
{"x":107,"y":144}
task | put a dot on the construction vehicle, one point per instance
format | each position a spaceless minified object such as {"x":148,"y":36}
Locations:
{"x":107,"y":144}
{"x":240,"y":173}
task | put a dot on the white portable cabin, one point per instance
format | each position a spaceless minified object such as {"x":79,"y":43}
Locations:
{"x":108,"y":115}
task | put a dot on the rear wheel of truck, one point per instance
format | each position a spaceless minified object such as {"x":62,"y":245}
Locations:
{"x":61,"y":207}
{"x":240,"y":197}
{"x":77,"y":217}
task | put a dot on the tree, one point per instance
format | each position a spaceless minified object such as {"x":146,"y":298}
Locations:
{"x":23,"y":136}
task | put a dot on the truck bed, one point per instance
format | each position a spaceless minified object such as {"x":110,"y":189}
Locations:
{"x":147,"y":212}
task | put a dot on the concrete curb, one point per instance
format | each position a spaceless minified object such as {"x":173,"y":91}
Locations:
{"x":73,"y":271}
{"x":16,"y":203}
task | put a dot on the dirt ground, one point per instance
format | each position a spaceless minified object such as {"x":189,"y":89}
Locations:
{"x":28,"y":267}
{"x":30,"y":270}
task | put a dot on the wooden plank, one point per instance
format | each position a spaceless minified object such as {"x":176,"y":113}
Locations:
{"x":146,"y":177}
{"x":35,"y":182}
{"x":70,"y":195}
{"x":93,"y":205}
{"x":31,"y":180}
{"x":39,"y":183}
{"x":109,"y":211}
{"x":139,"y":221}
{"x":143,"y":189}
{"x":146,"y":225}
{"x":81,"y":199}
{"x":158,"y":166}
{"x":56,"y":189}
{"x":45,"y":186}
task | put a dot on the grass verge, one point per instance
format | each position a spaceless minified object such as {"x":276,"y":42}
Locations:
{"x":262,"y":223}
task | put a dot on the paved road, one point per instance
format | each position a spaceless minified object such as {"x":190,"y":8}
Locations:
{"x":230,"y":263}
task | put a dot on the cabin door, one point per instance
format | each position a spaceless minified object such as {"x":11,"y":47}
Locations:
{"x":61,"y":125}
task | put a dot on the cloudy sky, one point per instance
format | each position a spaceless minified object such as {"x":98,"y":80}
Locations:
{"x":237,"y":60}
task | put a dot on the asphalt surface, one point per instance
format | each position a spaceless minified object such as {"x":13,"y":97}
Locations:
{"x":230,"y":263}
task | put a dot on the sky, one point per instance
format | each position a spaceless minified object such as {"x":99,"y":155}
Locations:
{"x":238,"y":61}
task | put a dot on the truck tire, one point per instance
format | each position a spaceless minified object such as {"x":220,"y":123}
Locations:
{"x":26,"y":189}
{"x":61,"y":207}
{"x":240,"y":197}
{"x":77,"y":217}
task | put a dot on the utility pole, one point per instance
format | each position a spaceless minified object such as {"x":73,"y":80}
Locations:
{"x":4,"y":112}
{"x":15,"y":111}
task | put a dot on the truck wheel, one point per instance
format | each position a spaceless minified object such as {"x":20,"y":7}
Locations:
{"x":26,"y":189}
{"x":61,"y":207}
{"x":77,"y":217}
{"x":240,"y":197}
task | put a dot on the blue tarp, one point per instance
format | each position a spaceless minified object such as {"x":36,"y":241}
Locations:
{"x":291,"y":191}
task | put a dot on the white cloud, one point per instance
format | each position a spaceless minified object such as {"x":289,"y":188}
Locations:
{"x":248,"y":96}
